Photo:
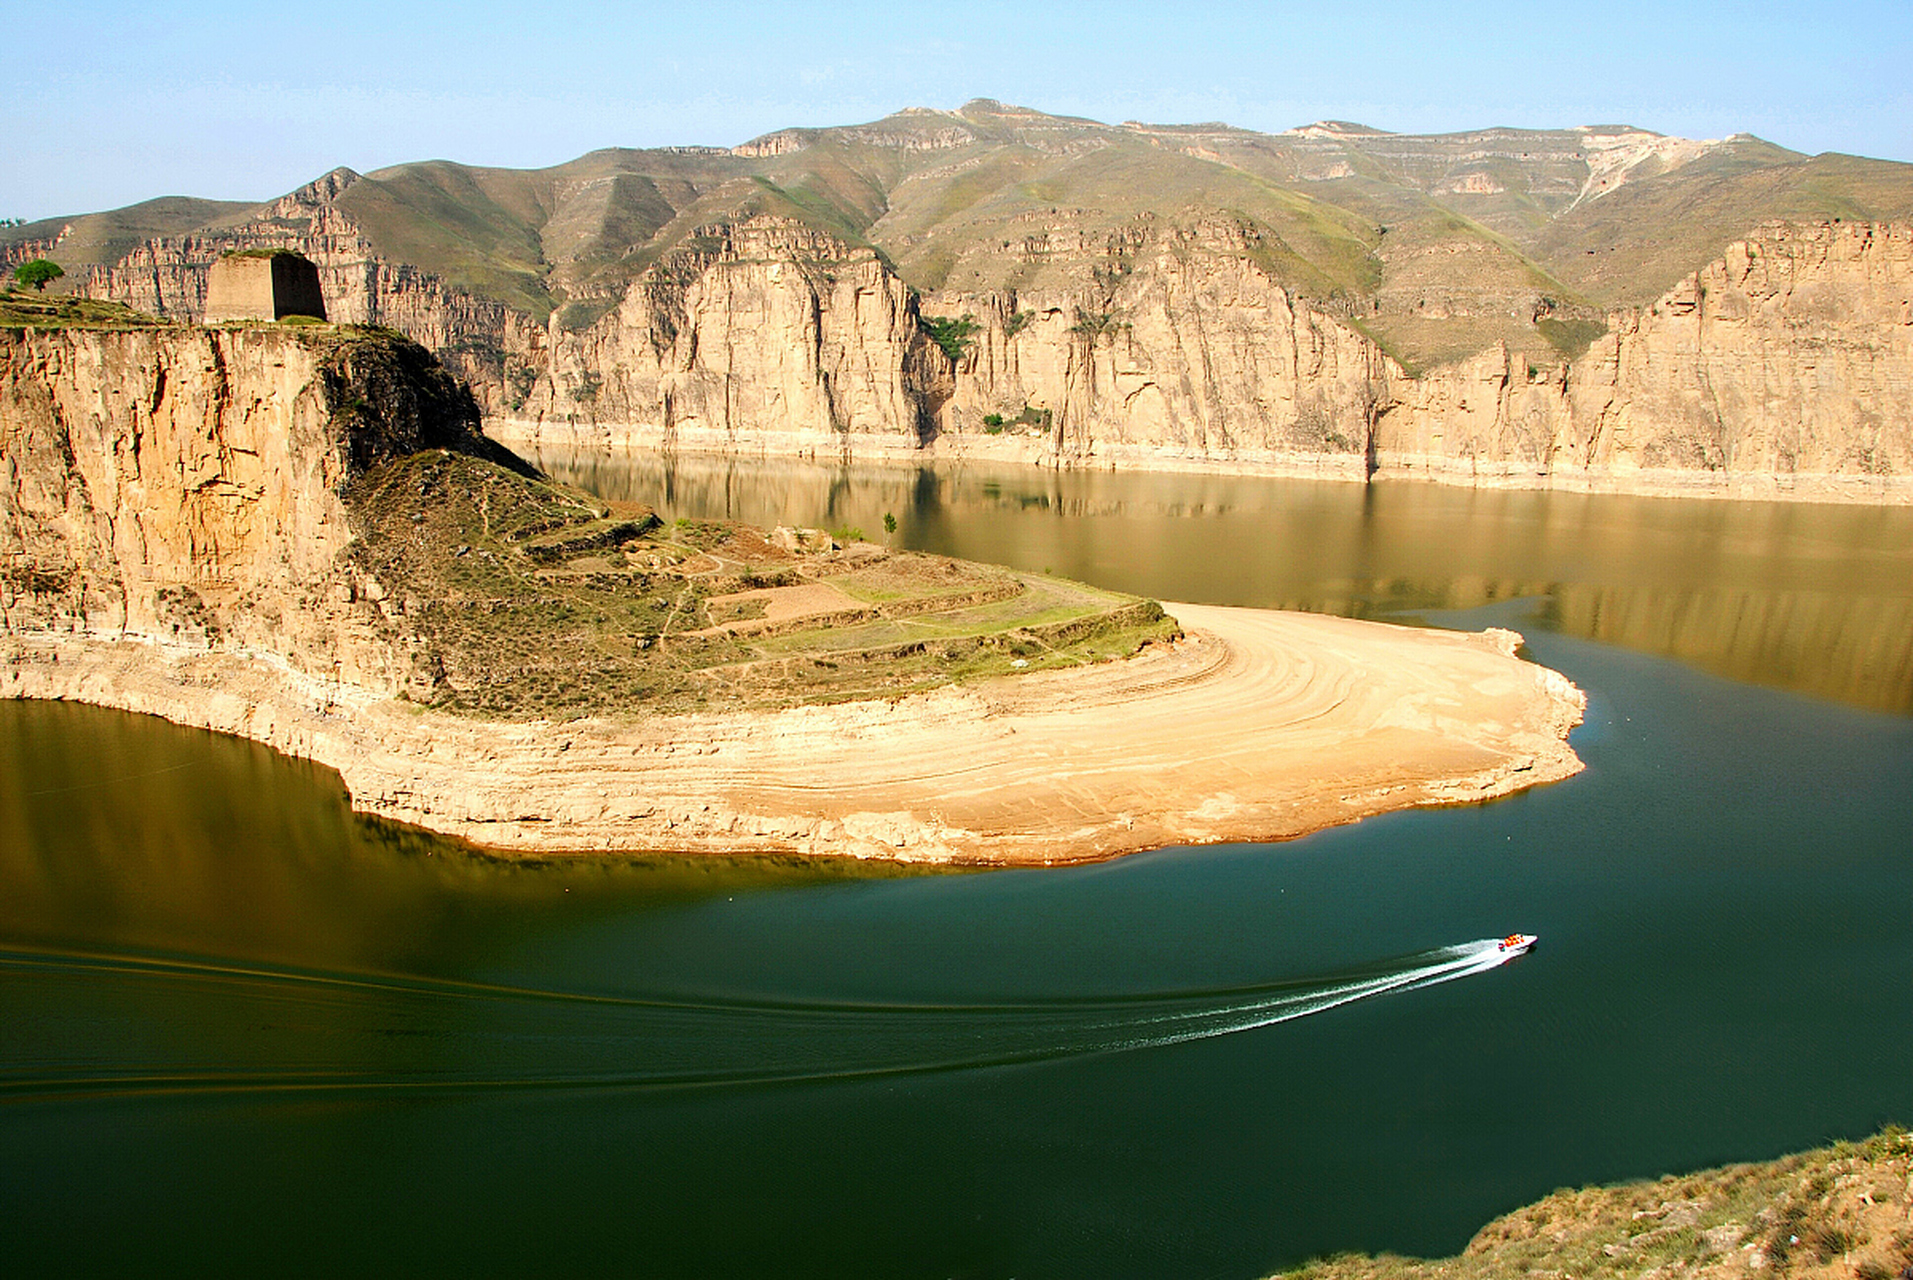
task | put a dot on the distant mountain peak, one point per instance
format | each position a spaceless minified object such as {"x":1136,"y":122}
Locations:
{"x":1336,"y":129}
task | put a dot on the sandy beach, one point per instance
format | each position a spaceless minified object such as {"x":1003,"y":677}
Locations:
{"x":1259,"y":725}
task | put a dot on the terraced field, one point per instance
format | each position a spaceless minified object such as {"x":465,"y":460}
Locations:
{"x":529,"y":600}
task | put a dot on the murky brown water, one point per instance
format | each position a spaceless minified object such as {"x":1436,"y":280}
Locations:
{"x":1812,"y":597}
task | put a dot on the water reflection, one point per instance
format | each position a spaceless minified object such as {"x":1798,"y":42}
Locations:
{"x":1814,"y":598}
{"x":125,"y":833}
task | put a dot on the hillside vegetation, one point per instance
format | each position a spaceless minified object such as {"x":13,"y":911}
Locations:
{"x":533,"y":600}
{"x":1438,"y":245}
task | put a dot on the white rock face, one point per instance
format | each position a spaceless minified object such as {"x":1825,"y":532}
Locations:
{"x":762,"y":326}
{"x":1786,"y":365}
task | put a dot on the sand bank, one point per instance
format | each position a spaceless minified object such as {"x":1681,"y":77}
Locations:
{"x":1260,"y":725}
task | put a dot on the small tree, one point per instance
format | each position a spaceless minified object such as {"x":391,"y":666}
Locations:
{"x":889,"y":525}
{"x":38,"y":272}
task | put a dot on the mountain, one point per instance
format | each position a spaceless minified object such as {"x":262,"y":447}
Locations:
{"x":1131,"y":281}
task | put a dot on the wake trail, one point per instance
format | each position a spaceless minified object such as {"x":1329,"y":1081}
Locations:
{"x":176,"y":1025}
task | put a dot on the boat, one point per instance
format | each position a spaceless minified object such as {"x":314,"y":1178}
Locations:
{"x":1516,"y":943}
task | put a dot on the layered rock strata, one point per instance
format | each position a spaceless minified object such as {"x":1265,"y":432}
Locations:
{"x":1781,"y":369}
{"x":184,"y":487}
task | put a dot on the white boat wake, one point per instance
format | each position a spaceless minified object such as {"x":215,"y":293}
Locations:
{"x":205,"y":1026}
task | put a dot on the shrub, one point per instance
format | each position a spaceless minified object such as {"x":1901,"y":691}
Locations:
{"x":1096,"y":325}
{"x":953,"y":335}
{"x":38,"y":273}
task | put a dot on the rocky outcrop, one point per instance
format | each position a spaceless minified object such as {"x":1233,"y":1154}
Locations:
{"x":184,"y":487}
{"x":1784,"y":367}
{"x":760,"y":326}
{"x":485,"y":342}
{"x":1189,"y":351}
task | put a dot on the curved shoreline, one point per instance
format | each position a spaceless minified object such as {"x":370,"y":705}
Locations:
{"x":1259,"y":726}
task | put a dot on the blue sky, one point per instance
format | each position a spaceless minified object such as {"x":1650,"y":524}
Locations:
{"x":107,"y":103}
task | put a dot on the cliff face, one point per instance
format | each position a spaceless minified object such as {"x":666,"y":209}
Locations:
{"x":1189,"y":350}
{"x":1787,"y":362}
{"x":486,"y":342}
{"x":185,"y":486}
{"x":1784,"y":367}
{"x":764,"y":326}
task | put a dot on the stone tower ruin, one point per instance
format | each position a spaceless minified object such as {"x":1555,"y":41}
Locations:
{"x":262,"y":284}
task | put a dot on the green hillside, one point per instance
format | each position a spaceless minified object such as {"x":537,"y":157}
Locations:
{"x":1439,"y":244}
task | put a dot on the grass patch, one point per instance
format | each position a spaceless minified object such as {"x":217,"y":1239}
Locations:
{"x":30,"y":311}
{"x":522,"y":599}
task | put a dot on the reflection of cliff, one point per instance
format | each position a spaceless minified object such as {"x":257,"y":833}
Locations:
{"x":1856,"y":650}
{"x":1800,"y":596}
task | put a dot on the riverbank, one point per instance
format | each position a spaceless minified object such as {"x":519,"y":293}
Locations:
{"x":1257,"y":725}
{"x":1018,"y":448}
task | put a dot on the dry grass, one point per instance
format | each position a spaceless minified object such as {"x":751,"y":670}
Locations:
{"x":531,"y":600}
{"x":1839,"y":1213}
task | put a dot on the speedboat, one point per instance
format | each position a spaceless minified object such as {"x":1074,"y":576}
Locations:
{"x":1516,"y":943}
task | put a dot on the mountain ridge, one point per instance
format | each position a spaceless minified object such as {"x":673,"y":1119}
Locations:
{"x":1208,"y":291}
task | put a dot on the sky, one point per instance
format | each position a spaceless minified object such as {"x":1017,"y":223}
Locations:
{"x":109,"y":102}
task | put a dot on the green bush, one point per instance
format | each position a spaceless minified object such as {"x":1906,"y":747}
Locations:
{"x":953,"y":335}
{"x":38,"y":273}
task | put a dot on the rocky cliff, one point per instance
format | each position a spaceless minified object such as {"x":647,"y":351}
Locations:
{"x":1782,"y":368}
{"x":185,"y":486}
{"x":1785,"y":367}
{"x":484,"y":341}
{"x":763,"y":326}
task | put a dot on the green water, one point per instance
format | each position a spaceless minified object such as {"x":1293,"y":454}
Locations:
{"x":243,"y":1030}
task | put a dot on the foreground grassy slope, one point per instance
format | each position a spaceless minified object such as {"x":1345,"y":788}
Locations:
{"x":1839,"y":1213}
{"x":533,"y":600}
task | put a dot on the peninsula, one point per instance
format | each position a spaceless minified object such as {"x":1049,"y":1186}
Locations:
{"x":296,"y":532}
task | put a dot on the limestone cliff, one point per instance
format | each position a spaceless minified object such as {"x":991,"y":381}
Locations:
{"x":486,"y":342}
{"x":1187,"y":349}
{"x":1786,"y":365}
{"x":185,"y":486}
{"x":762,"y":326}
{"x":1782,"y":368}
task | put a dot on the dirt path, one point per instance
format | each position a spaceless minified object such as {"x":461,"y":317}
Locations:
{"x":1260,"y":725}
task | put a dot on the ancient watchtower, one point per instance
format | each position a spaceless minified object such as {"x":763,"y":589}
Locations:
{"x":263,"y":284}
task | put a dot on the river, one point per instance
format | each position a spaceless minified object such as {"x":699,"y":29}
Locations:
{"x":247,"y":1030}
